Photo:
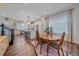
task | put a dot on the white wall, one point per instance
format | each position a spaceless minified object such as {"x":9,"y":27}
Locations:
{"x":75,"y":23}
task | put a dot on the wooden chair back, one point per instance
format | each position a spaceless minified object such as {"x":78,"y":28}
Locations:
{"x":61,"y":39}
{"x":37,"y":33}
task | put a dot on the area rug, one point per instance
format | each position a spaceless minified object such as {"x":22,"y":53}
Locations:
{"x":52,"y":51}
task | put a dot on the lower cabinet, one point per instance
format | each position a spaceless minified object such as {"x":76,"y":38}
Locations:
{"x":4,"y":43}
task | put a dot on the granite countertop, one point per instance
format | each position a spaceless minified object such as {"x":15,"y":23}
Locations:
{"x":2,"y":38}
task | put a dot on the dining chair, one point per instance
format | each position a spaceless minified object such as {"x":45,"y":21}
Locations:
{"x":37,"y":37}
{"x":39,"y":41}
{"x":57,"y":44}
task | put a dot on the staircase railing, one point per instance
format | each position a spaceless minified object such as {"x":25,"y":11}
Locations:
{"x":3,"y":27}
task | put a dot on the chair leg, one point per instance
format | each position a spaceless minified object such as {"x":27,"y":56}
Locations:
{"x":47,"y":50}
{"x":58,"y":52}
{"x":37,"y":44}
{"x":62,"y":51}
{"x":40,"y":48}
{"x":66,"y":53}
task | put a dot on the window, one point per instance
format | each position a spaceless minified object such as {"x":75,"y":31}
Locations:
{"x":21,"y":26}
{"x":59,"y":23}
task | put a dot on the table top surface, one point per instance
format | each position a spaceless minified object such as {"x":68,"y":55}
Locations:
{"x":49,"y":37}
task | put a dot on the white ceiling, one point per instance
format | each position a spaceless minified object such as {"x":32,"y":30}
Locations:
{"x":34,"y":10}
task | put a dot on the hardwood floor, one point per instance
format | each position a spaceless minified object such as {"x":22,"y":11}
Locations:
{"x":72,"y":48}
{"x":20,"y":47}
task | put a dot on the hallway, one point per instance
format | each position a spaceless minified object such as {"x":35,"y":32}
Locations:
{"x":20,"y":47}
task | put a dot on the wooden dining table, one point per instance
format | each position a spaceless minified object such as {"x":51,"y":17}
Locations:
{"x":47,"y":39}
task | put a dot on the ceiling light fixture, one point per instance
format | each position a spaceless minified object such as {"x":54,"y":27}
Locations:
{"x":28,"y":22}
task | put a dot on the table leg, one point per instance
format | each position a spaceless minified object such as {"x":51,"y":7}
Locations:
{"x":40,"y":48}
{"x":47,"y":49}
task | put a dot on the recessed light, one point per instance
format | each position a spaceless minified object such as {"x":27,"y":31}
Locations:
{"x":44,"y":13}
{"x":26,"y":4}
{"x":22,"y":12}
